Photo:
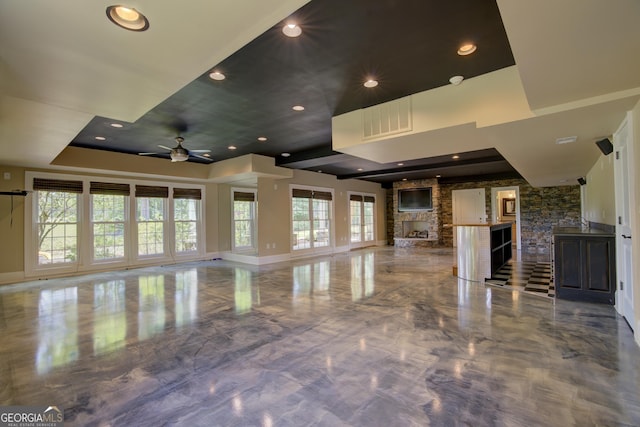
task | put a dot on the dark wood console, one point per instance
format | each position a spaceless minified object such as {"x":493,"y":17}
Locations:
{"x":584,"y":264}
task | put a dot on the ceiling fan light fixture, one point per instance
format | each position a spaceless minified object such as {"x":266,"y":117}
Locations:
{"x":179,"y":156}
{"x":262,"y":138}
{"x":292,"y":30}
{"x":127,"y":18}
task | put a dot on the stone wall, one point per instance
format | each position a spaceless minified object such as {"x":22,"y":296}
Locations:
{"x":541,"y":209}
{"x":432,"y":217}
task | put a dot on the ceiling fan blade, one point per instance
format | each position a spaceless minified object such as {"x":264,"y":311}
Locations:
{"x":165,"y":147}
{"x":147,"y":154}
{"x":199,"y":151}
{"x":202,"y":157}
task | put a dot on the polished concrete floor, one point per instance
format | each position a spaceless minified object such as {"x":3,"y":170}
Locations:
{"x":375,"y":337}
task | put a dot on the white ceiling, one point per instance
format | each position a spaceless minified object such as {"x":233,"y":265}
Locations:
{"x":63,"y":62}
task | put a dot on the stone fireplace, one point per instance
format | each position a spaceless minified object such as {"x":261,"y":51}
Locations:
{"x":417,"y":228}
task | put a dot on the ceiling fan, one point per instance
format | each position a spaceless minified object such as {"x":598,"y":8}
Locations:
{"x":181,"y":154}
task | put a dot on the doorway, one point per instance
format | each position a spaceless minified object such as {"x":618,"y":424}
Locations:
{"x":505,"y":207}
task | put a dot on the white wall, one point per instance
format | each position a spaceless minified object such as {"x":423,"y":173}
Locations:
{"x":599,"y":192}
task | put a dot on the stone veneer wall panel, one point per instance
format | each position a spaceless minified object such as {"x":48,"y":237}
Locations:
{"x":433,"y":217}
{"x":541,"y":209}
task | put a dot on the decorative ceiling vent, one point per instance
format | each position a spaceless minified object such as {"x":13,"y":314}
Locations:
{"x":387,"y":119}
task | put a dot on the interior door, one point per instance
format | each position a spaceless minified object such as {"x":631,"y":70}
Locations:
{"x":624,"y":201}
{"x":469,"y":207}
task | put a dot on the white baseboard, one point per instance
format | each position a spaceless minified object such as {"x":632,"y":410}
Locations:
{"x":254,"y":259}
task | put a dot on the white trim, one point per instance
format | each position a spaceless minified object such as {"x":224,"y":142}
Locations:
{"x":84,"y":262}
{"x":298,"y":253}
{"x":362,"y":243}
{"x":254,"y":227}
{"x":495,"y":208}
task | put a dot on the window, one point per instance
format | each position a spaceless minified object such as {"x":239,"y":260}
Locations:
{"x":368,"y":218}
{"x":355,"y":205}
{"x":186,"y":212}
{"x":150,"y":214}
{"x":362,"y":215}
{"x":57,"y":220}
{"x":244,"y":220}
{"x":108,"y":219}
{"x":311,"y":218}
{"x":79,"y":223}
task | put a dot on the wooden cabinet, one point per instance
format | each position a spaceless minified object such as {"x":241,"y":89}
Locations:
{"x":584,"y":265}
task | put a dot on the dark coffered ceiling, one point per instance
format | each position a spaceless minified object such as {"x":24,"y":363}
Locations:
{"x":409,"y":46}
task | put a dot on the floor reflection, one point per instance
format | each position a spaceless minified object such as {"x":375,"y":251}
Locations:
{"x":186,"y":297}
{"x":109,"y":316}
{"x":311,"y":281}
{"x":57,"y":328}
{"x":244,"y":296}
{"x":151,"y":312}
{"x":362,"y":276}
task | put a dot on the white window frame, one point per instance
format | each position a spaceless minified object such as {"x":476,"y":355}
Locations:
{"x":331,"y":220}
{"x":253,"y":221}
{"x":84,"y":261}
{"x":125,"y":223}
{"x":196,"y":222}
{"x":166,"y":232}
{"x":363,"y":242}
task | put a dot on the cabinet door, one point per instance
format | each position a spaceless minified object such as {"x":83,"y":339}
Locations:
{"x":598,"y":265}
{"x":568,"y":264}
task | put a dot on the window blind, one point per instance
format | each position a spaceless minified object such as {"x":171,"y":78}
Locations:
{"x":64,"y":186}
{"x":109,"y":188}
{"x":322,"y":195}
{"x":311,"y":194}
{"x":152,"y":191}
{"x":240,"y":196}
{"x":187,"y":193}
{"x":369,"y":199}
{"x":355,"y":198}
{"x":300,"y":193}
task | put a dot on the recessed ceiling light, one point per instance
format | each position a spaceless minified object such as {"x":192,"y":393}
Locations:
{"x":438,"y":176}
{"x":292,"y":30}
{"x":116,"y":125}
{"x":360,"y":169}
{"x":400,"y":164}
{"x":285,"y":154}
{"x":217,"y":75}
{"x":455,"y":157}
{"x":456,"y":80}
{"x":371,"y":83}
{"x":319,"y":170}
{"x":298,"y":108}
{"x":566,"y":140}
{"x":232,"y":147}
{"x":262,"y":138}
{"x":127,"y":18}
{"x":404,"y":179}
{"x":100,"y":138}
{"x":467,"y":49}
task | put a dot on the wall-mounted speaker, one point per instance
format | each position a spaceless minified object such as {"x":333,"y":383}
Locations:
{"x":605,"y":146}
{"x":582,"y":181}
